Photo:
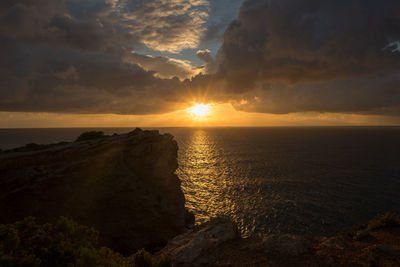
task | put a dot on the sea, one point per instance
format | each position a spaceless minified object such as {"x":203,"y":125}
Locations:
{"x":298,"y":180}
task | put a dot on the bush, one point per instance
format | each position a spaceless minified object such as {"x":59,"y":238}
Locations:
{"x":385,"y":220}
{"x":34,"y":147}
{"x":90,"y":136}
{"x":380,"y":221}
{"x":63,"y":244}
{"x":144,"y":259}
{"x":26,"y":243}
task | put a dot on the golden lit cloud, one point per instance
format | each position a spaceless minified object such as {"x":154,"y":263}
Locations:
{"x":164,"y":67}
{"x":165,"y":25}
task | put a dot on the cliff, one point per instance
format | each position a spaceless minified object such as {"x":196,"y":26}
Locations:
{"x":123,"y":185}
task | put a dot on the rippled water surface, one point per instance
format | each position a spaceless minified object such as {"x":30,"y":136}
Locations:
{"x":296,"y":180}
{"x":314,"y":181}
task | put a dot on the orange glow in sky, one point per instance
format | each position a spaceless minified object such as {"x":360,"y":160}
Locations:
{"x":216,"y":114}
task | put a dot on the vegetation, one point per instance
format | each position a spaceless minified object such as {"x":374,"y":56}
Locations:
{"x":34,"y":147}
{"x":91,"y":135}
{"x":144,"y":259}
{"x":385,"y":220}
{"x":26,"y":243}
{"x":380,"y":221}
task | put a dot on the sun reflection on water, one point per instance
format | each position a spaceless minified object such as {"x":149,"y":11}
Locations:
{"x":207,"y":171}
{"x":205,"y":191}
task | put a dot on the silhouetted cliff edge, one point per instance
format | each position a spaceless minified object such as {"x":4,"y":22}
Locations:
{"x":124,"y":186}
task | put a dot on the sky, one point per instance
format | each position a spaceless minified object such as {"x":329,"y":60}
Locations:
{"x":99,"y":63}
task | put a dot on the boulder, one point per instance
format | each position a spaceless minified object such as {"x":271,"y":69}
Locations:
{"x":286,"y":245}
{"x":187,"y":247}
{"x":124,"y":186}
{"x":336,"y":242}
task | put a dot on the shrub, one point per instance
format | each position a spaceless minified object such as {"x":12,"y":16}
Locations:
{"x":34,"y":147}
{"x":90,"y":136}
{"x":387,"y":219}
{"x":144,"y":259}
{"x":380,"y":221}
{"x":26,"y":243}
{"x":65,"y":243}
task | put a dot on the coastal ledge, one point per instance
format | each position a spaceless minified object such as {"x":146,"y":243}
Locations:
{"x":124,"y":186}
{"x":218,"y":243}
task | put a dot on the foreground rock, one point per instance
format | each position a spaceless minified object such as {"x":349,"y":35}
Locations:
{"x":124,"y":186}
{"x":187,"y":248}
{"x":215,"y":244}
{"x":286,"y":245}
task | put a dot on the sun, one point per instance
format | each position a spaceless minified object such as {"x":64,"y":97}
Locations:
{"x":199,"y":111}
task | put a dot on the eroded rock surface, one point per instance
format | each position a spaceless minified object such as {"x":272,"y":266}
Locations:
{"x":286,"y":245}
{"x":187,"y":248}
{"x":379,"y":247}
{"x":124,"y":186}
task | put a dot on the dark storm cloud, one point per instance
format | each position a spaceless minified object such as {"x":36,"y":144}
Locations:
{"x":284,"y":56}
{"x":279,"y":56}
{"x":78,"y":81}
{"x":76,"y":56}
{"x":221,"y":13}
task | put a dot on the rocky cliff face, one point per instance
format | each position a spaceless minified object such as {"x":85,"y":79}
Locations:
{"x":124,"y":186}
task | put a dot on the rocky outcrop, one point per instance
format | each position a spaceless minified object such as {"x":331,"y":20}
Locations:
{"x":217,"y":243}
{"x":123,"y":185}
{"x":286,"y":245}
{"x":187,"y":248}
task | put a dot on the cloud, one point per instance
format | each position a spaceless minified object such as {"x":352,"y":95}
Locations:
{"x":68,"y":80}
{"x":164,"y":67}
{"x":311,"y":55}
{"x":164,"y":25}
{"x":205,"y":55}
{"x":279,"y":56}
{"x":75,"y":56}
{"x":221,"y":13}
{"x":396,"y":46}
{"x":69,"y":74}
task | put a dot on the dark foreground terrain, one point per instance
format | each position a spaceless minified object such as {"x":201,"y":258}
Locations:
{"x":217,"y":243}
{"x":120,"y":193}
{"x":124,"y":186}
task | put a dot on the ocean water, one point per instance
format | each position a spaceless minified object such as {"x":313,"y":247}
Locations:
{"x":310,"y":181}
